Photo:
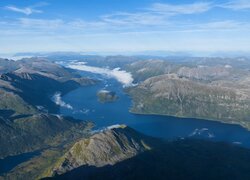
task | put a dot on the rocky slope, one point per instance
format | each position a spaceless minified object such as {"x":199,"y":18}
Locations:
{"x":207,"y":88}
{"x":35,"y":89}
{"x":30,"y":133}
{"x":219,"y":92}
{"x":122,"y":153}
{"x":143,"y":70}
{"x":34,"y":81}
{"x":36,"y":66}
{"x":26,"y":88}
{"x":180,"y":96}
{"x":104,"y":148}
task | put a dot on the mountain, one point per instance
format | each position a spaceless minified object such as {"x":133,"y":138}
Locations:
{"x":35,"y":65}
{"x":33,"y":83}
{"x":179,"y":96}
{"x":105,"y":148}
{"x":197,"y":89}
{"x":37,"y":90}
{"x":11,"y":101}
{"x":26,"y":90}
{"x":64,"y":147}
{"x":29,"y":133}
{"x":123,"y":153}
{"x":143,"y":70}
{"x":97,"y":148}
{"x":7,"y":65}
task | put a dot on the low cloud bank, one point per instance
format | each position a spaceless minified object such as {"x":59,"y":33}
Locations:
{"x":122,"y":76}
{"x":58,"y":100}
{"x":115,"y":126}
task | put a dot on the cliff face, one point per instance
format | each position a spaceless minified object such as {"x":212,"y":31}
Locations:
{"x":105,"y":148}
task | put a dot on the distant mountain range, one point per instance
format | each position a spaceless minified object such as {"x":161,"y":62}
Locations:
{"x":162,"y":53}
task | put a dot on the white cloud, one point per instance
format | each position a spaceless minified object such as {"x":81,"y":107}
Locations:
{"x":81,"y":24}
{"x":41,"y":23}
{"x":172,"y":10}
{"x":25,"y":10}
{"x":58,"y":100}
{"x":226,"y":25}
{"x":222,"y":24}
{"x":115,"y":126}
{"x":122,"y":76}
{"x":157,"y":14}
{"x":132,"y":19}
{"x":155,"y":27}
{"x":237,"y":5}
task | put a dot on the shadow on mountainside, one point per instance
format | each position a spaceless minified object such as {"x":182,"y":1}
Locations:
{"x":178,"y":160}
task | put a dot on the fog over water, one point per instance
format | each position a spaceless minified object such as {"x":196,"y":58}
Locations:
{"x":120,"y":75}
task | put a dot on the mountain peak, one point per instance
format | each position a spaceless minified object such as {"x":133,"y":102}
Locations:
{"x":107,"y":147}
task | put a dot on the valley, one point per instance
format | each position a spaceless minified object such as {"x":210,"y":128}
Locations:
{"x":124,"y":90}
{"x":60,"y":114}
{"x":29,"y":120}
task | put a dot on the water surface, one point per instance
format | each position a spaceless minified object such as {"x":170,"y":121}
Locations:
{"x":86,"y":107}
{"x":10,"y":162}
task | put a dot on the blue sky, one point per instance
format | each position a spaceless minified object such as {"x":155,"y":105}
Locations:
{"x":124,"y":25}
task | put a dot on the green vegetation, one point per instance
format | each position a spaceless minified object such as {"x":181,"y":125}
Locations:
{"x":25,"y":127}
{"x":208,"y":88}
{"x":106,"y":96}
{"x":184,"y":159}
{"x":37,"y":132}
{"x":37,"y":167}
{"x":143,"y":70}
{"x":107,"y":147}
{"x":181,"y":97}
{"x":200,"y":89}
{"x":13,"y":102}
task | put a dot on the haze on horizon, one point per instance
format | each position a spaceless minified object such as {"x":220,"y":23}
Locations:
{"x":131,"y":26}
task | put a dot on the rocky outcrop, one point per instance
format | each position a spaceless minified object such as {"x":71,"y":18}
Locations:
{"x":107,"y":147}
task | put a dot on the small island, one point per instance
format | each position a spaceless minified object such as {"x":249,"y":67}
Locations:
{"x":105,"y":96}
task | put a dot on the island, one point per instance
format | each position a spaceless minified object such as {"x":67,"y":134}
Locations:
{"x":105,"y":96}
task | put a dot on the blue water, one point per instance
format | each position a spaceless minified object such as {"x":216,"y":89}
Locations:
{"x":10,"y":162}
{"x":86,"y":107}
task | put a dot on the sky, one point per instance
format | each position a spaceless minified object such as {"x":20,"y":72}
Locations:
{"x":124,"y":26}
